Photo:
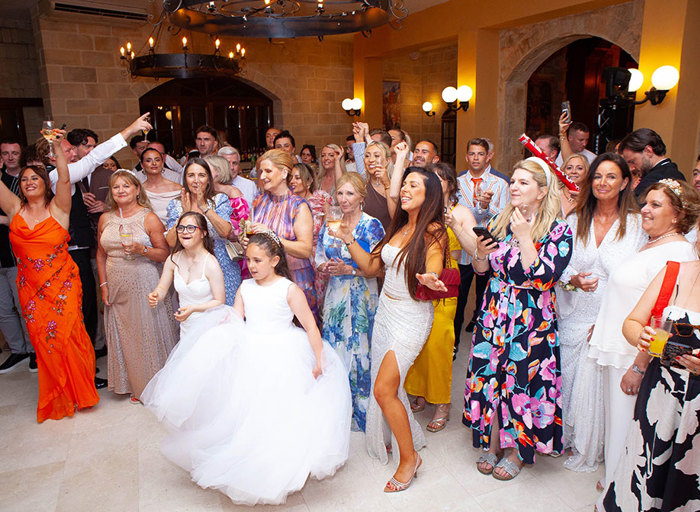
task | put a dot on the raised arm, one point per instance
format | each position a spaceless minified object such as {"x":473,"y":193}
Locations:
{"x":394,"y":193}
{"x":564,"y":123}
{"x":61,"y":203}
{"x":9,"y":203}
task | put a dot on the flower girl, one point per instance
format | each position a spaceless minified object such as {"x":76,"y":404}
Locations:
{"x":257,"y":405}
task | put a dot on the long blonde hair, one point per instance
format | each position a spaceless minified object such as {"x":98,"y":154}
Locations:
{"x":549,"y":210}
{"x":386,"y":152}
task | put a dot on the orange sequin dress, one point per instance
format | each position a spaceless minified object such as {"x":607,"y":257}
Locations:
{"x":51,"y":294}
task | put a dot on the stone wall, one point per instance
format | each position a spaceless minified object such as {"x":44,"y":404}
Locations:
{"x":523,"y":48}
{"x":423,"y":76}
{"x":19,"y":69}
{"x":84,"y":83}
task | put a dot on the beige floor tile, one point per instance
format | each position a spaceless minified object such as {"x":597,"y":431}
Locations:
{"x":33,"y":489}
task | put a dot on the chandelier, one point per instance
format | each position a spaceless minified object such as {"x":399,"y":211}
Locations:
{"x":184,"y":64}
{"x":283,"y":18}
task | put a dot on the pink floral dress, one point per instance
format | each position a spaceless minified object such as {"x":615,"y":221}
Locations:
{"x":514,"y":368}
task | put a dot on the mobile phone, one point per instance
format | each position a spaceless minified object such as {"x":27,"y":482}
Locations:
{"x":566,"y":109}
{"x":483,"y":232}
{"x":63,"y":127}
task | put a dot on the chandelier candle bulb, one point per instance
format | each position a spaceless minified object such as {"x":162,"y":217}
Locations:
{"x":217,"y":43}
{"x":122,"y":51}
{"x":230,"y":55}
{"x":151,"y":42}
{"x":184,"y":43}
{"x":128,"y":46}
{"x":242,"y":52}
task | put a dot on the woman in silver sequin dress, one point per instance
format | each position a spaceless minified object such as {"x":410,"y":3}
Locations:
{"x":139,"y":338}
{"x":412,"y":252}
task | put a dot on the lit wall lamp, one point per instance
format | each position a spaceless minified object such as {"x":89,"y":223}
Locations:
{"x":457,"y":99}
{"x":663,"y":80}
{"x":428,"y":109}
{"x":352,"y":107}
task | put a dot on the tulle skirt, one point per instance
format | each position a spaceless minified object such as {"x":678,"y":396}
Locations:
{"x":246,"y":415}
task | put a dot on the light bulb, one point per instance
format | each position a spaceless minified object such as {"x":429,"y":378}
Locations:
{"x":230,"y":55}
{"x":169,"y":115}
{"x":449,"y":94}
{"x":150,"y":42}
{"x":636,"y":80}
{"x":128,"y":46}
{"x":427,"y":106}
{"x":217,"y":43}
{"x":464,"y":93}
{"x":356,"y":103}
{"x":238,"y":47}
{"x":122,"y":51}
{"x":184,"y":42}
{"x":665,"y":78}
{"x":133,"y":55}
{"x":346,"y":104}
{"x":242,"y":52}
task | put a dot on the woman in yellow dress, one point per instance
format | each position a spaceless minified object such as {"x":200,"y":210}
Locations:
{"x":430,"y":377}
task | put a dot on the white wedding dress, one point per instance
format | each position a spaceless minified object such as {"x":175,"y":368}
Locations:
{"x":246,"y":415}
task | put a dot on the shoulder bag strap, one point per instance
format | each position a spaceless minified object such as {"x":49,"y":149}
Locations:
{"x":670,"y":277}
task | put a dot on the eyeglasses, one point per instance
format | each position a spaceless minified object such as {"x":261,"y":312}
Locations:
{"x":684,"y":330}
{"x":189,"y":228}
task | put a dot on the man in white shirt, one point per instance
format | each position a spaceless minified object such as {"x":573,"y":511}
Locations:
{"x":246,"y":186}
{"x":493,"y":195}
{"x":577,"y":135}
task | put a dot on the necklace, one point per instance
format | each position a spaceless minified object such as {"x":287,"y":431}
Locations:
{"x":653,"y":240}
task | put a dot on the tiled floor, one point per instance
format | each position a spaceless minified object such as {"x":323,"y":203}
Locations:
{"x":107,"y":459}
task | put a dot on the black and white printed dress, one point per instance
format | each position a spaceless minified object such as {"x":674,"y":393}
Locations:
{"x":660,"y":468}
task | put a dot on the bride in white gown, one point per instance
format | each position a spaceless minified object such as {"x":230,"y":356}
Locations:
{"x":256,"y":406}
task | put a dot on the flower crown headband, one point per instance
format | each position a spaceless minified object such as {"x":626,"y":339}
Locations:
{"x":675,"y":187}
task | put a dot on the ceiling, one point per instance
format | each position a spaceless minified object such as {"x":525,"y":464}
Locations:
{"x":419,"y":5}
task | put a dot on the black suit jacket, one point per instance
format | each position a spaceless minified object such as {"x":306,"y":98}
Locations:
{"x":664,"y":169}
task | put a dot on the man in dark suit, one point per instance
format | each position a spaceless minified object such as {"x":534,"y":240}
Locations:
{"x":645,"y":151}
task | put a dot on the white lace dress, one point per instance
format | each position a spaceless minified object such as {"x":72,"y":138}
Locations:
{"x":402,"y":325}
{"x":581,"y":376}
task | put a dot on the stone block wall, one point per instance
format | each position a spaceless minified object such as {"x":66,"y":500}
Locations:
{"x":423,"y":76}
{"x":19,"y":72}
{"x":85,"y":84}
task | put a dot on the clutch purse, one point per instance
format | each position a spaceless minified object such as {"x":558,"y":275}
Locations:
{"x":450,"y":277}
{"x":235,"y":250}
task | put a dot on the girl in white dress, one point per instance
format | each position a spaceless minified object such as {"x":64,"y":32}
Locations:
{"x":258,"y":405}
{"x":192,"y":256}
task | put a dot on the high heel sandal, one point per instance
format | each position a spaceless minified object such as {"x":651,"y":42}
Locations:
{"x":437,"y":424}
{"x":418,"y":405}
{"x":394,"y":485}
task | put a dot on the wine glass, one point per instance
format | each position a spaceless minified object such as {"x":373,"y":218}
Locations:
{"x":477,"y":196}
{"x":334,"y":219}
{"x":47,"y":128}
{"x":525,"y":211}
{"x":127,"y":238}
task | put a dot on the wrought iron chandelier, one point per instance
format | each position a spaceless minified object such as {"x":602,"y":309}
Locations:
{"x":184,"y":64}
{"x":284,"y":18}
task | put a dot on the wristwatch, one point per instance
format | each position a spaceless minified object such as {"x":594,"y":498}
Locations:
{"x":354,"y":272}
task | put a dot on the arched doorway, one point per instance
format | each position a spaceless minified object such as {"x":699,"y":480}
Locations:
{"x":575,"y":73}
{"x":240,"y":112}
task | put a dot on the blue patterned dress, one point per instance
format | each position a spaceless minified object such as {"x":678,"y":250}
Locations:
{"x":231,"y":270}
{"x":514,"y":367}
{"x":348,"y":312}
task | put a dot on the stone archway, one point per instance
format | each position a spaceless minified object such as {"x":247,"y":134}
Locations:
{"x":523,"y":49}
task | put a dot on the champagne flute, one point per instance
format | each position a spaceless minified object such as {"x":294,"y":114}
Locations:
{"x":146,"y":130}
{"x":477,"y":196}
{"x":525,"y":211}
{"x":127,"y":238}
{"x":333,"y":221}
{"x":47,"y":128}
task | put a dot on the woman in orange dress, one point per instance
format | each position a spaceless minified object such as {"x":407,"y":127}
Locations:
{"x":49,"y":289}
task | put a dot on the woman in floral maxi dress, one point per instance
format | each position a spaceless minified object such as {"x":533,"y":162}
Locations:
{"x":514,"y":376}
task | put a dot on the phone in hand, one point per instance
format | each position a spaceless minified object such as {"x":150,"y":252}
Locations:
{"x":566,"y":109}
{"x":485,"y":233}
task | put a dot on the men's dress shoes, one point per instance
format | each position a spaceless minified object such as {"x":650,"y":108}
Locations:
{"x":32,"y":363}
{"x":12,"y":362}
{"x":100,"y":383}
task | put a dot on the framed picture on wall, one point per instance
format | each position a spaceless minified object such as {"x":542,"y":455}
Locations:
{"x":391,"y":101}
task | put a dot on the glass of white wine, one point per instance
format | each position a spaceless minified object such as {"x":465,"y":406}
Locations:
{"x":127,"y":238}
{"x":47,"y":128}
{"x":334,"y":219}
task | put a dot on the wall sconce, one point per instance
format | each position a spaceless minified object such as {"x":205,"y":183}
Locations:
{"x":428,"y":109}
{"x":352,"y":107}
{"x":663,"y":80}
{"x":452,"y":96}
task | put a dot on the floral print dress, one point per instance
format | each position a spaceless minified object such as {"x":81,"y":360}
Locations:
{"x":514,"y":366}
{"x":348,"y":313}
